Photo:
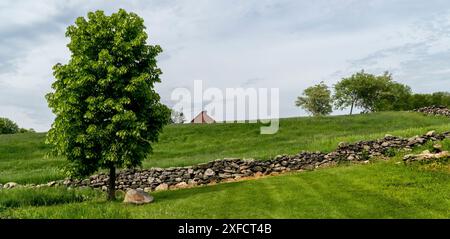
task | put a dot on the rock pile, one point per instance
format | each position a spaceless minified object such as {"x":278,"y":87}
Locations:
{"x":426,"y":156}
{"x":229,"y":169}
{"x":435,"y":110}
{"x":364,"y":150}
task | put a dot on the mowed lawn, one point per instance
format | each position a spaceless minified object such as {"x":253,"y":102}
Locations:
{"x":22,"y":156}
{"x":380,"y":189}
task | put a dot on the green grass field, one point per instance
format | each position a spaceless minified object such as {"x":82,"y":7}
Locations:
{"x":382,"y":189}
{"x":22,"y":155}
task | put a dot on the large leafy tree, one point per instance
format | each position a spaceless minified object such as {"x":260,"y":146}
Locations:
{"x":316,"y":100}
{"x":396,"y":96}
{"x":361,"y":90}
{"x":107,"y":111}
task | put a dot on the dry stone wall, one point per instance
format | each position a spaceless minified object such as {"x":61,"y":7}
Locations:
{"x":435,"y":110}
{"x":234,"y":169}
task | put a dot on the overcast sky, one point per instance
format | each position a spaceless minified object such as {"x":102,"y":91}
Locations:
{"x":288,"y":44}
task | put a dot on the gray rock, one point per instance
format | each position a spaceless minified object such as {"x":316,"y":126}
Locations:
{"x":150,"y":179}
{"x":209,"y":172}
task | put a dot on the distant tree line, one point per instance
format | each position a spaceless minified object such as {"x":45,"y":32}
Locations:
{"x":7,"y":126}
{"x":368,"y":92}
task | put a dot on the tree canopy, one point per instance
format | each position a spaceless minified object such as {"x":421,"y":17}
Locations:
{"x":107,"y":111}
{"x":368,"y":92}
{"x":316,"y":100}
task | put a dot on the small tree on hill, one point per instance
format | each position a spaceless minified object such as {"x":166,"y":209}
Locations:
{"x":107,"y":111}
{"x":316,"y":100}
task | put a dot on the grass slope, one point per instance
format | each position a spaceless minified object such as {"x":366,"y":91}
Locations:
{"x":381,"y":189}
{"x":22,"y":155}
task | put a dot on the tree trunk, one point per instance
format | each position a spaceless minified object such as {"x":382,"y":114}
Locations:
{"x":351,"y":108}
{"x":112,"y":184}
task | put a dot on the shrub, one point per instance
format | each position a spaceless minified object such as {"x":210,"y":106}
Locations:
{"x":7,"y":126}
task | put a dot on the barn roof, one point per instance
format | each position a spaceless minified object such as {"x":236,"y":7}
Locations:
{"x":203,"y":118}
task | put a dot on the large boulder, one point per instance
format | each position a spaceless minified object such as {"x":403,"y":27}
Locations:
{"x":134,"y":196}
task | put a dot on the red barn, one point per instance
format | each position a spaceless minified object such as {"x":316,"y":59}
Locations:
{"x":202,"y":118}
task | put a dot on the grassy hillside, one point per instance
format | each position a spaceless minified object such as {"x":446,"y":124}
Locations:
{"x":22,"y":155}
{"x":381,"y":189}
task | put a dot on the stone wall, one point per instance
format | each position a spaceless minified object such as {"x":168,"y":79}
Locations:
{"x":435,"y":110}
{"x":234,"y":169}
